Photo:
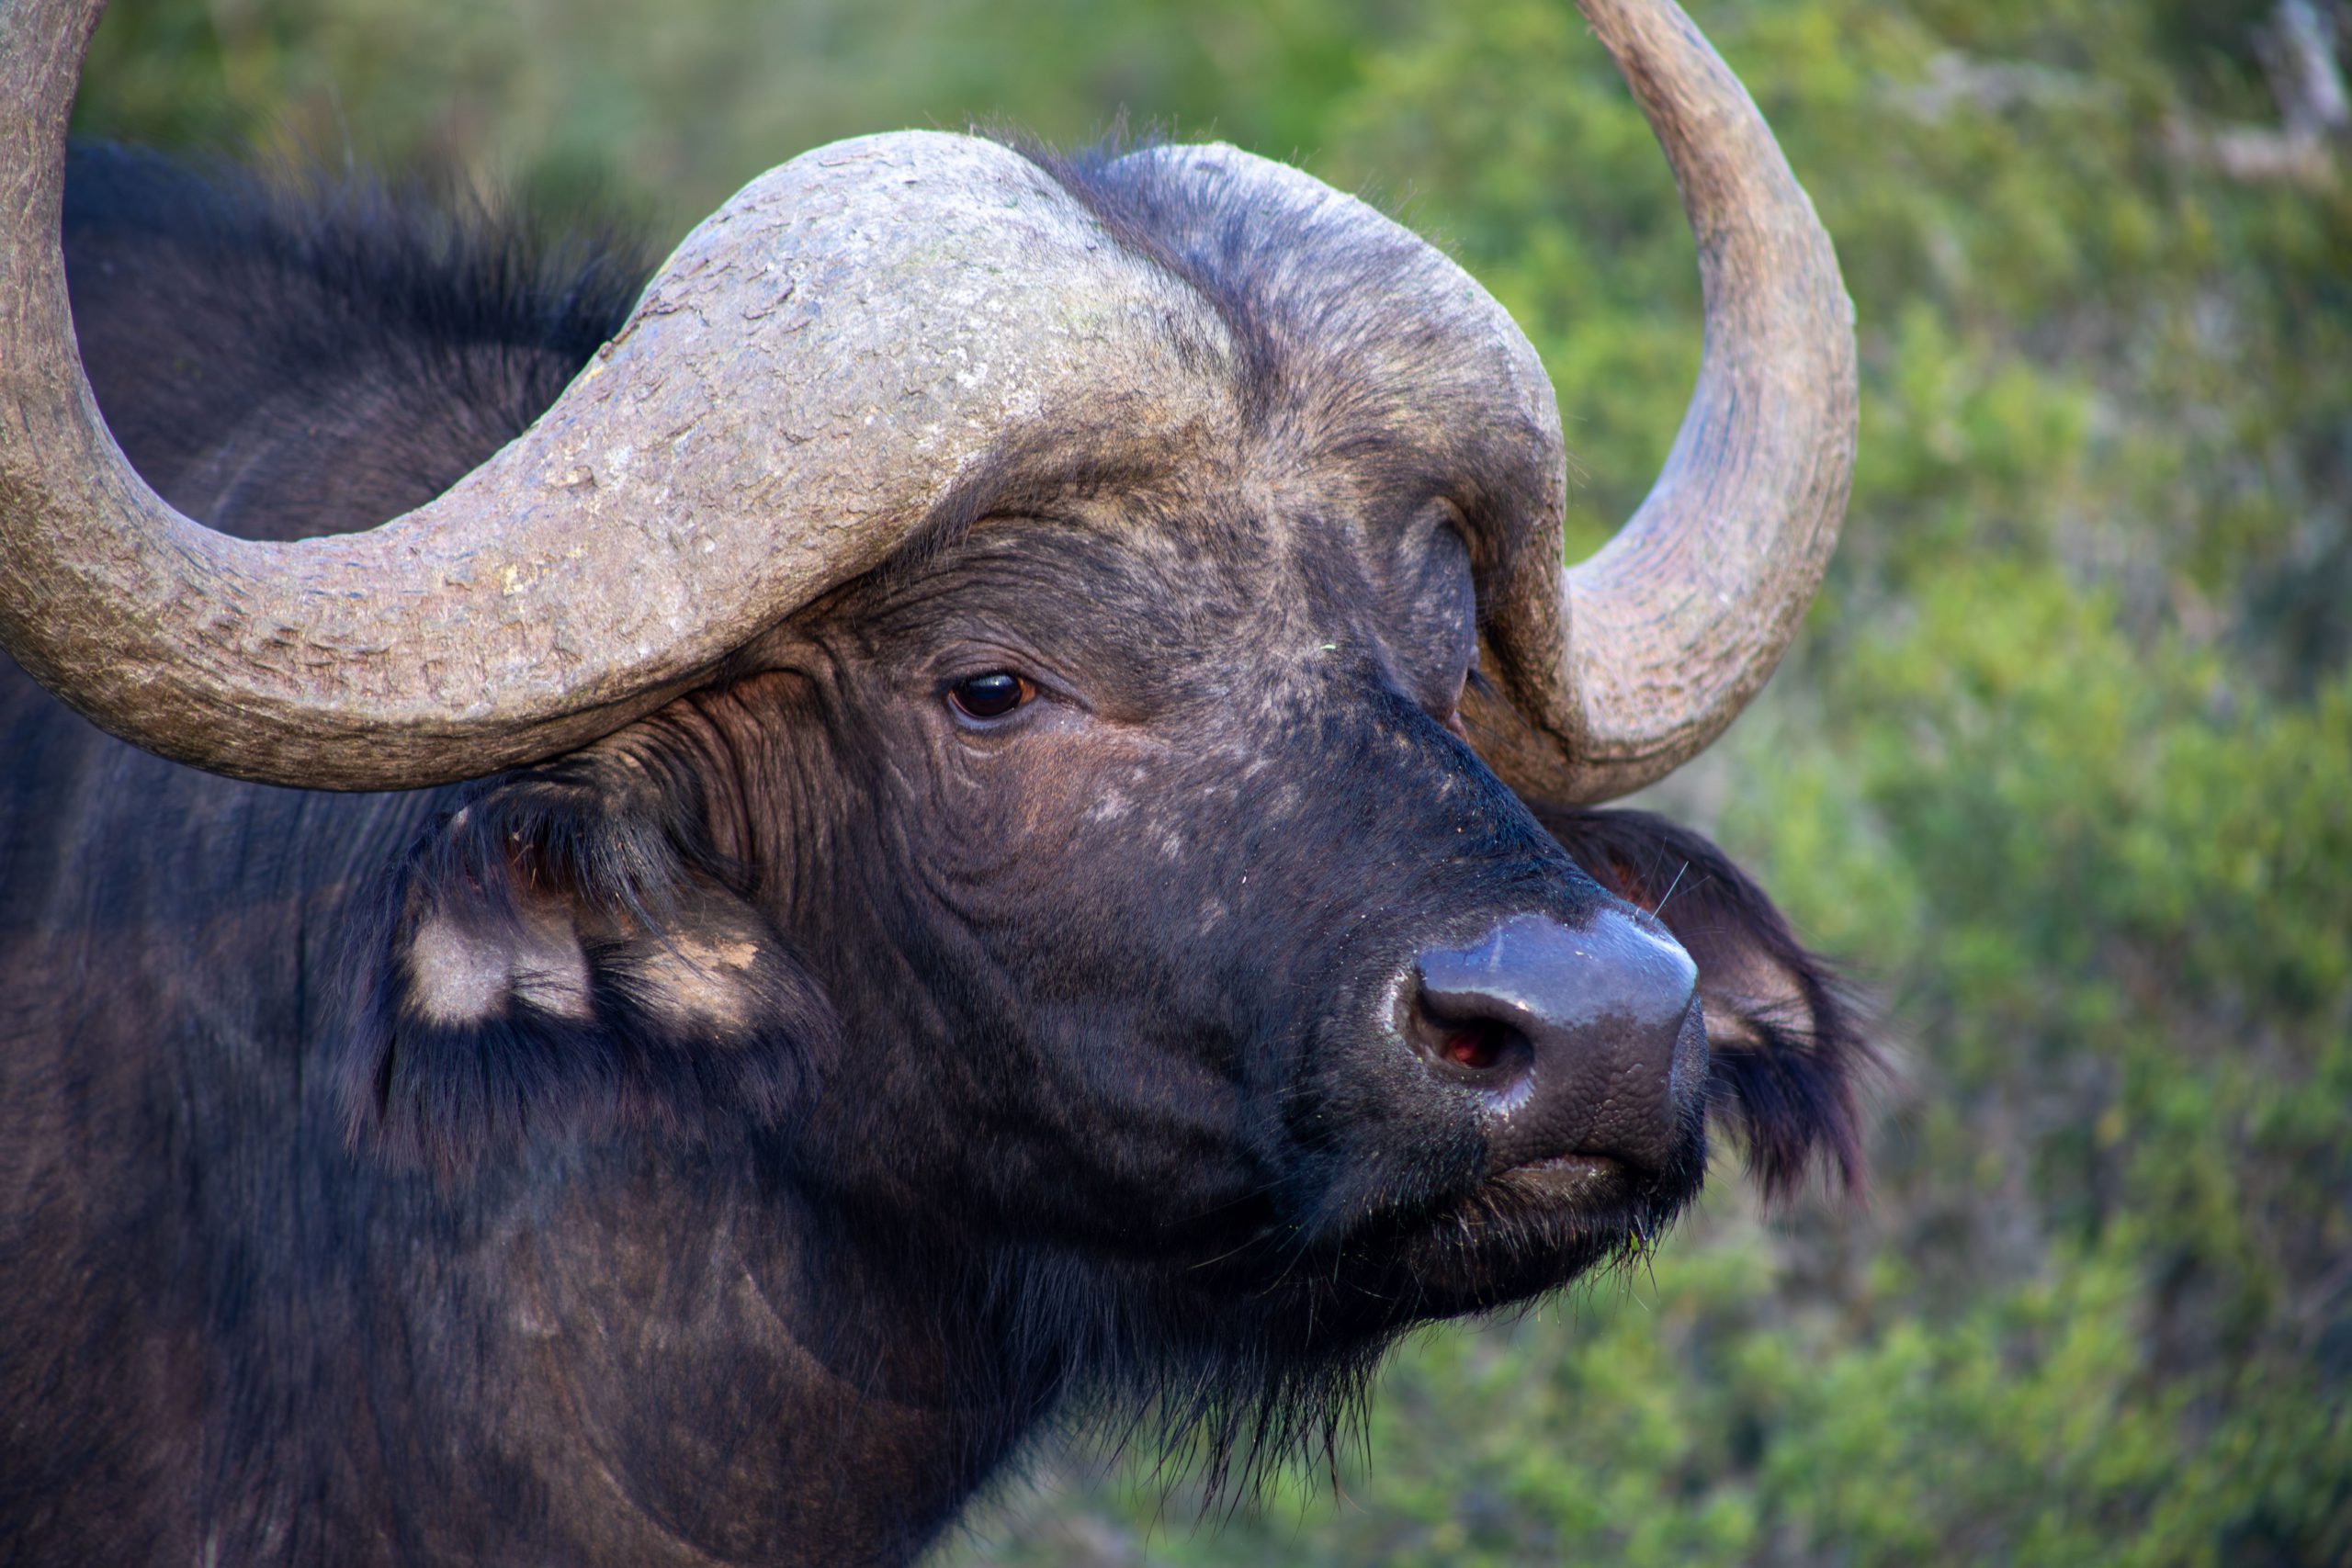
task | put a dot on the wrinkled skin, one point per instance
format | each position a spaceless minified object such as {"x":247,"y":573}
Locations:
{"x":1199,"y":1051}
{"x":734,"y":1139}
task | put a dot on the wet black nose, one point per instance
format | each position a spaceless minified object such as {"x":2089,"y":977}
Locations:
{"x":1585,"y":1037}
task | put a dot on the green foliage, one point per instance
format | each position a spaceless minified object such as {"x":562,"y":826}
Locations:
{"x":2063,"y":767}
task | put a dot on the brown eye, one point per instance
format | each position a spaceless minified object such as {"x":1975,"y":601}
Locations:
{"x":992,"y":695}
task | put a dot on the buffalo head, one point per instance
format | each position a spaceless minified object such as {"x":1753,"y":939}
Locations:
{"x":1043,"y":696}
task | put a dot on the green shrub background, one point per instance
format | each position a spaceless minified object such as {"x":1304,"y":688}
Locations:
{"x":2061,"y":766}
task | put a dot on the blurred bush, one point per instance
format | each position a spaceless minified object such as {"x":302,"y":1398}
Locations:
{"x":2064,"y":766}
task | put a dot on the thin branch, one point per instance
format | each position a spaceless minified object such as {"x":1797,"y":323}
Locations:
{"x":2298,"y":49}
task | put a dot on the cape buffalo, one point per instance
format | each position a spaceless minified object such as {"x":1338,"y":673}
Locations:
{"x":965,"y":812}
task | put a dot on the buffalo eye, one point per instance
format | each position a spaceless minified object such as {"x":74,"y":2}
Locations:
{"x":992,"y":695}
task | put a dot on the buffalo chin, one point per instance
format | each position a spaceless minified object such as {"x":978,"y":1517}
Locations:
{"x":1274,"y":1361}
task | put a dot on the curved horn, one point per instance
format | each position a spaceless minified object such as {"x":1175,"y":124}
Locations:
{"x":807,"y":375}
{"x":1677,"y":621}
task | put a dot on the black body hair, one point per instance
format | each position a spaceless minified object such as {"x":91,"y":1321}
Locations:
{"x":419,"y":263}
{"x":298,"y":352}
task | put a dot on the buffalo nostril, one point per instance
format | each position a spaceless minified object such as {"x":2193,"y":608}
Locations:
{"x":1485,"y":1051}
{"x":1477,"y":1049}
{"x":1590,"y":1030}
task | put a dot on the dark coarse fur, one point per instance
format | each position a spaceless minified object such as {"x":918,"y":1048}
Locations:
{"x":237,"y":314}
{"x":738,"y":1139}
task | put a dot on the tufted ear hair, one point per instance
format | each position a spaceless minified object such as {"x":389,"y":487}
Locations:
{"x":1785,"y":1035}
{"x":563,"y":954}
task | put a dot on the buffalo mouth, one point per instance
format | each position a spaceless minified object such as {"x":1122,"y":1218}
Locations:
{"x":1574,"y":1178}
{"x":1506,"y":1239}
{"x":1540,"y":1227}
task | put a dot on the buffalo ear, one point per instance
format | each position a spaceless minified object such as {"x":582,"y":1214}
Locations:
{"x":1785,"y":1035}
{"x":553,"y":959}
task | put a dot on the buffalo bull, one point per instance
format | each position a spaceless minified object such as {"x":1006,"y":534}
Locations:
{"x":967,"y":812}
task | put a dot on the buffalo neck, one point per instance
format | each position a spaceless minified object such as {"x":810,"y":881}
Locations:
{"x":687,"y":1359}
